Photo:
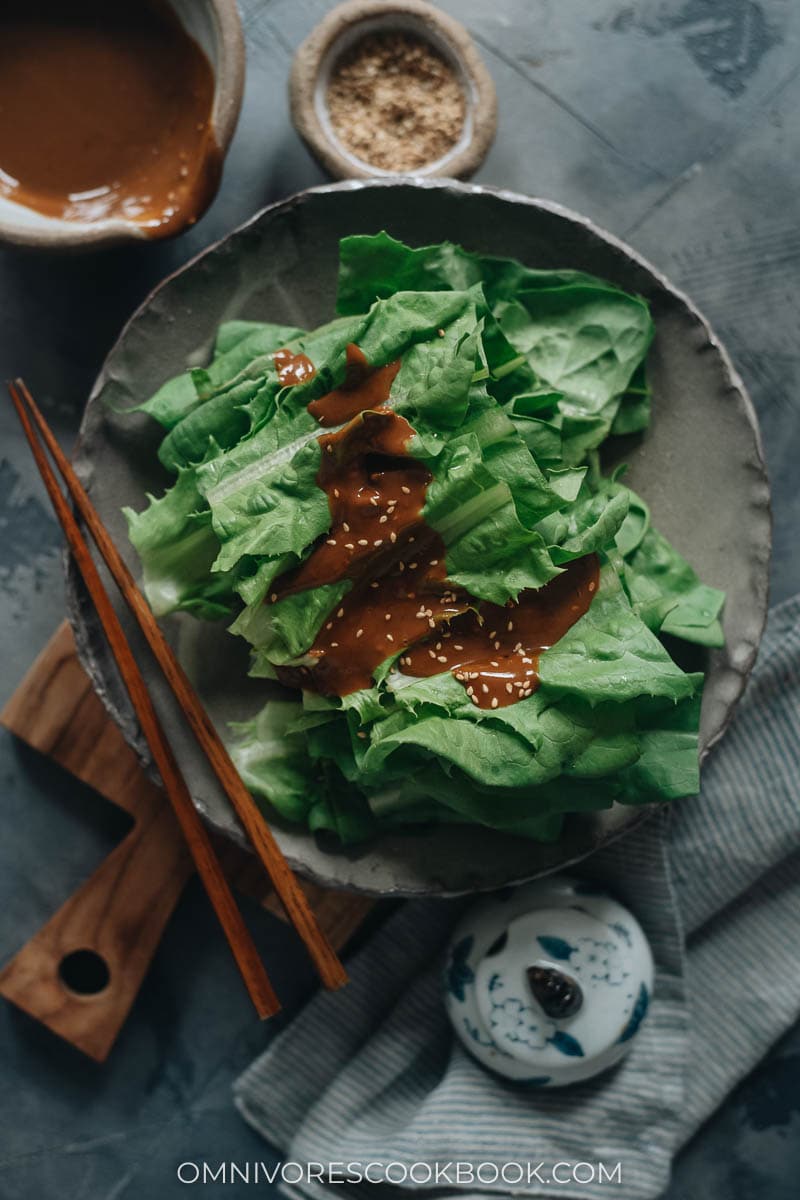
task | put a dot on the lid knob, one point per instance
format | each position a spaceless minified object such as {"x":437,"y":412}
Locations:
{"x":558,"y":994}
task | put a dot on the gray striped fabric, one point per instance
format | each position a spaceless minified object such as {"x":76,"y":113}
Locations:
{"x":372,"y":1074}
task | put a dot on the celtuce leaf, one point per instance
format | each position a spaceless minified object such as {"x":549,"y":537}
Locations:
{"x":510,"y":379}
{"x":582,"y":338}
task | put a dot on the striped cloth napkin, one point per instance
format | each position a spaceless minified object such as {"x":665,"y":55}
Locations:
{"x":373,"y":1074}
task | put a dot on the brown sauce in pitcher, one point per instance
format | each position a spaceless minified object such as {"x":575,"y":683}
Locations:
{"x":105,"y":111}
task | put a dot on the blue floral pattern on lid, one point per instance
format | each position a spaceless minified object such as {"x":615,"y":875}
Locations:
{"x":516,"y":1021}
{"x":459,"y":974}
{"x":598,"y":961}
{"x":556,"y":947}
{"x":514,"y":970}
{"x":567,"y":1044}
{"x":637,"y":1016}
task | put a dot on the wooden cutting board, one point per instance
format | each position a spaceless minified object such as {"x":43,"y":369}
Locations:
{"x":80,"y":973}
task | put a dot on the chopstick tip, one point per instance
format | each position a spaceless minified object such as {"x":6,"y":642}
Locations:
{"x":336,"y":979}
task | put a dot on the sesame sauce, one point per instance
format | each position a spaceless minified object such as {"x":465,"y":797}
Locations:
{"x":293,"y":368}
{"x":364,"y":387}
{"x":401,"y":601}
{"x":495,"y":652}
{"x":105,"y":112}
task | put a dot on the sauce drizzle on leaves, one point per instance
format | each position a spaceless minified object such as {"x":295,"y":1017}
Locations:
{"x":401,"y":602}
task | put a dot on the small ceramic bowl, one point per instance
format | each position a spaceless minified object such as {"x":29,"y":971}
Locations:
{"x":216,"y":27}
{"x":338,"y":32}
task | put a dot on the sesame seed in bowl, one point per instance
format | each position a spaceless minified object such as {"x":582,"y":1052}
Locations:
{"x":392,"y":87}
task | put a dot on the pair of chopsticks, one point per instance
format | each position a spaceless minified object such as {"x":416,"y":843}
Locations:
{"x":197,"y":838}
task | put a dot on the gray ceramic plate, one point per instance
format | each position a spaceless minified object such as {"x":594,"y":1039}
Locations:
{"x":700,"y":468}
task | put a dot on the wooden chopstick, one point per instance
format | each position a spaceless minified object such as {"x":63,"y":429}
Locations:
{"x":292,"y":897}
{"x":197,"y":838}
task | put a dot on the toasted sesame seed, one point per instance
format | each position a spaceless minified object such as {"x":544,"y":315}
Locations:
{"x":340,"y":613}
{"x":345,"y":527}
{"x":493,"y":663}
{"x":405,"y":490}
{"x":274,"y":597}
{"x":359,"y":632}
{"x":361,"y":734}
{"x":441,"y":658}
{"x":329,"y":625}
{"x":413,"y":566}
{"x":334,"y":645}
{"x":393,"y":536}
{"x":329,"y":448}
{"x":470,"y":691}
{"x":374,"y":584}
{"x":336,"y":493}
{"x":494,"y":702}
{"x":474,"y":699}
{"x":389,"y":637}
{"x":485,"y":689}
{"x":374,"y":501}
{"x":401,"y":566}
{"x":383,"y":519}
{"x":331,"y":541}
{"x":456,"y":646}
{"x":431,"y":622}
{"x":497,"y":645}
{"x":363,"y":542}
{"x":387,"y":616}
{"x":434,"y":562}
{"x":410,"y":540}
{"x":440,"y":332}
{"x":510,"y":626}
{"x":378,"y":542}
{"x":592,"y":586}
{"x":527,"y":660}
{"x":349,"y":546}
{"x":438,"y":645}
{"x":509,"y":689}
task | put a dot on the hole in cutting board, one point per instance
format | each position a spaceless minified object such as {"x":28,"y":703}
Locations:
{"x":84,"y":972}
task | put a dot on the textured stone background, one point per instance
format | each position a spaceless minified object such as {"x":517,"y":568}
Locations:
{"x":674,"y":123}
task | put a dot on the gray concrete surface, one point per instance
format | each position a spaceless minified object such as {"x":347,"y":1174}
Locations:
{"x":674,"y":123}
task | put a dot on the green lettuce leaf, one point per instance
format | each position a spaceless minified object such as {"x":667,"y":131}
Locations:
{"x":579,"y":336}
{"x":178,"y":547}
{"x":613,"y":719}
{"x":669,"y":597}
{"x":511,"y":378}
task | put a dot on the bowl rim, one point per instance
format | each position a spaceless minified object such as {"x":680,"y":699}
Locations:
{"x":314,"y":57}
{"x":741,"y":669}
{"x":229,"y":75}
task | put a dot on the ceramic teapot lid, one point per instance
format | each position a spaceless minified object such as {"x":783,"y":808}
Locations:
{"x":548,"y":984}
